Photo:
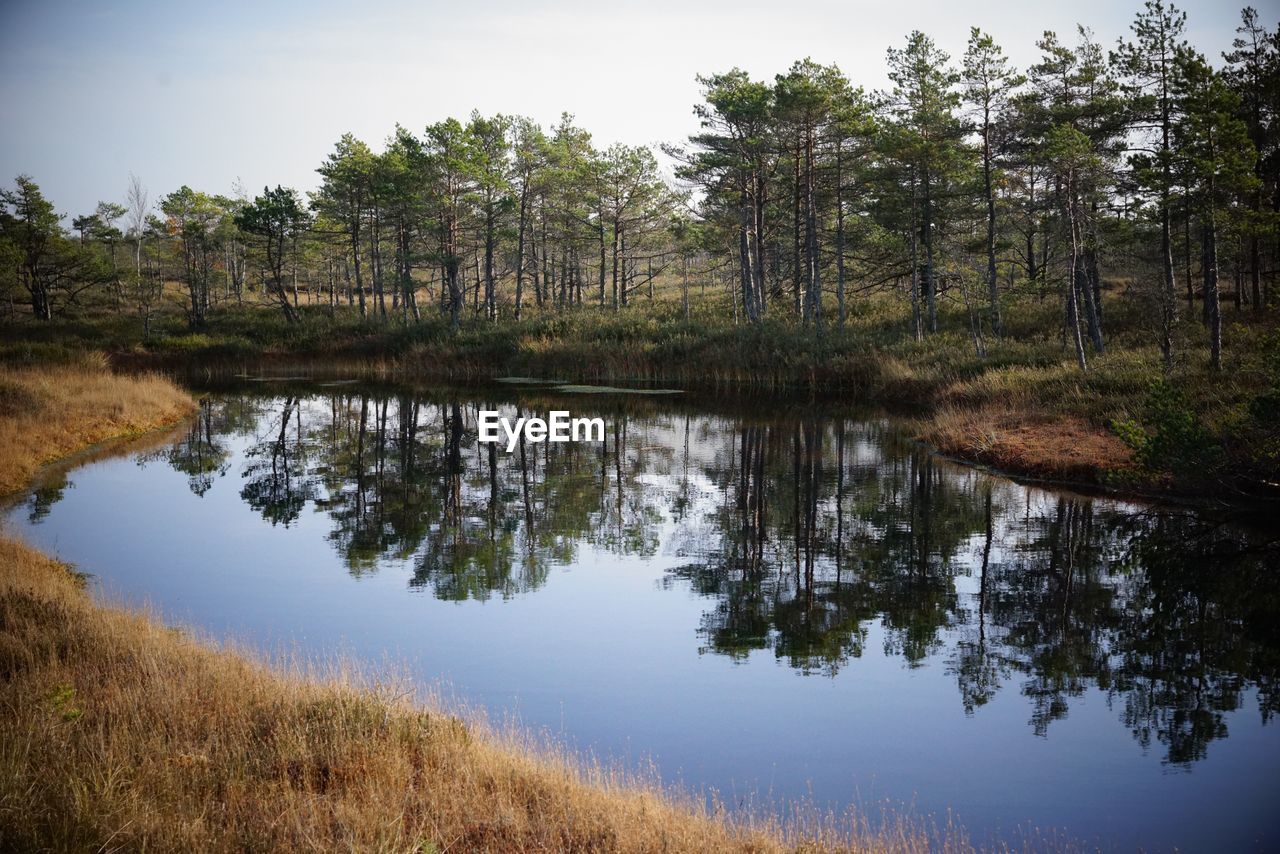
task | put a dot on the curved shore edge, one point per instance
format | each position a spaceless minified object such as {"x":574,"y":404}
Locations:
{"x":1022,"y":442}
{"x":121,"y":732}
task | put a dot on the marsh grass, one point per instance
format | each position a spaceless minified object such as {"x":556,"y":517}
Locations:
{"x":48,"y":411}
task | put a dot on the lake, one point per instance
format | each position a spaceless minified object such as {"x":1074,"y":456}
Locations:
{"x":770,"y":600}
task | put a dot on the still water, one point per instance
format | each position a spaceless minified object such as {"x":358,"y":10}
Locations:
{"x":772,"y":602}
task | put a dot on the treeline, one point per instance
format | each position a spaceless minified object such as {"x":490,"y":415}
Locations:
{"x":1143,"y":167}
{"x":981,"y":182}
{"x":487,"y":213}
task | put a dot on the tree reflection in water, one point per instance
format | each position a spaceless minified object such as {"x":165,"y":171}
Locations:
{"x":803,"y":533}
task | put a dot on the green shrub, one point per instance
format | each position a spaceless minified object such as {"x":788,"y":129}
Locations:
{"x":1173,"y":440}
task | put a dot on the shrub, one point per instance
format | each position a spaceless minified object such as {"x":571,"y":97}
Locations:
{"x":1174,"y":441}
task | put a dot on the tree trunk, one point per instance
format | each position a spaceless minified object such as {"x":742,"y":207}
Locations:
{"x":1073,"y":311}
{"x":617,"y":234}
{"x":796,"y":232}
{"x":930,"y":277}
{"x":356,"y":266}
{"x":1166,"y":238}
{"x":813,"y":273}
{"x":759,"y":192}
{"x":745,"y":262}
{"x":917,"y":329}
{"x":524,"y":209}
{"x":993,"y":291}
{"x":490,"y":287}
{"x":840,"y":235}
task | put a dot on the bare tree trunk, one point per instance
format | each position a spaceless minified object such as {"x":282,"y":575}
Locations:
{"x":617,"y":236}
{"x":1073,"y":312}
{"x":524,"y":212}
{"x":622,"y":248}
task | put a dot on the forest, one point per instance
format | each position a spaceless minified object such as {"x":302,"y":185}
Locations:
{"x":971,"y":223}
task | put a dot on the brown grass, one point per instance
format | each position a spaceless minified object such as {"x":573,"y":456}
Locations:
{"x":1063,"y":447}
{"x":118,"y":733}
{"x":121,"y":733}
{"x":50,"y":411}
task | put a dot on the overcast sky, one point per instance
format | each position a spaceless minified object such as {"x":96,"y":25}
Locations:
{"x":205,"y":94}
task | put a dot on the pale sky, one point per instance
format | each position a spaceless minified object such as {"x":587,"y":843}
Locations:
{"x":205,"y":94}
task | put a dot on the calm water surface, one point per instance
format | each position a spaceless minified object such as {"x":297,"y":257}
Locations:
{"x":775,"y":603}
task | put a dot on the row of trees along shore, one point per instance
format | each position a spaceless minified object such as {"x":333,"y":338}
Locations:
{"x":967,"y":182}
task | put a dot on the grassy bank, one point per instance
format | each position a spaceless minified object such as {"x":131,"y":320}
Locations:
{"x":121,"y":733}
{"x":52,"y":410}
{"x":1022,"y":406}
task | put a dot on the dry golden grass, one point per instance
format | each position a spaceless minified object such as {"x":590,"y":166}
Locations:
{"x":50,"y":411}
{"x":118,"y":733}
{"x":121,"y":733}
{"x":1061,"y":447}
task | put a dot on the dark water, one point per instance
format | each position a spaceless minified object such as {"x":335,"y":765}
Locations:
{"x":777,"y":603}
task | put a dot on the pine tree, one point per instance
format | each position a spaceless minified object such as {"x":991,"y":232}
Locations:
{"x":929,"y":142}
{"x":1213,"y":143}
{"x":989,"y":83}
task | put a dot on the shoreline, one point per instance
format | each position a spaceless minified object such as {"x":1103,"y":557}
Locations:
{"x":1007,"y":426}
{"x":1054,"y":460}
{"x":1022,"y":407}
{"x":125,"y":730}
